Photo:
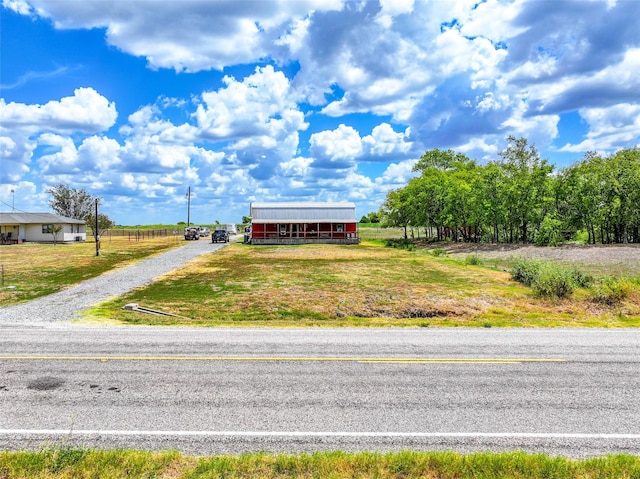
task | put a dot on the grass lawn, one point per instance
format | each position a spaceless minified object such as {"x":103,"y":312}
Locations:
{"x":364,"y":285}
{"x":32,"y":270}
{"x":81,"y":463}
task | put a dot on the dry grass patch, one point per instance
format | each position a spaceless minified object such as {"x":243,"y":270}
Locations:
{"x":365,"y":285}
{"x":33,"y":270}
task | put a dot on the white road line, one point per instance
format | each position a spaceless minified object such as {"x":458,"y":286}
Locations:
{"x":347,"y":434}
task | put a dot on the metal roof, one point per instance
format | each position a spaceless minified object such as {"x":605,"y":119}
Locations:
{"x":39,"y":218}
{"x":303,"y":212}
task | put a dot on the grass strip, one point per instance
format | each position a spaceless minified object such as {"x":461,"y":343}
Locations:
{"x":63,"y":463}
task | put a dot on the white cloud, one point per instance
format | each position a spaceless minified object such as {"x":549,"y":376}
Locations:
{"x":263,"y":103}
{"x":384,"y":141}
{"x":63,"y":160}
{"x":185,"y":36}
{"x":19,"y":6}
{"x":15,"y":155}
{"x":7,"y":145}
{"x":100,"y":153}
{"x":147,"y":122}
{"x":336,"y":148}
{"x":86,"y":111}
{"x":396,"y":7}
{"x":296,"y":167}
{"x":609,"y":129}
{"x":459,"y":75}
{"x":492,"y":19}
{"x":396,"y":175}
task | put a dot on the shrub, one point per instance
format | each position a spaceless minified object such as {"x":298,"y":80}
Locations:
{"x":553,"y":281}
{"x":581,"y":279}
{"x":610,"y":291}
{"x":525,"y":271}
{"x":473,"y":259}
{"x":397,"y":243}
{"x":549,"y":279}
{"x":438,"y":252}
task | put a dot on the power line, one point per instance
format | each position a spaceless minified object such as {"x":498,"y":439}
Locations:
{"x":15,"y":209}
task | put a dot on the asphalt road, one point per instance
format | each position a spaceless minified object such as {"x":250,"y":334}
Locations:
{"x":572,"y":392}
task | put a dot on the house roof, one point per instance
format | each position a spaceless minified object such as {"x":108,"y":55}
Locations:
{"x":36,"y":218}
{"x":303,"y":212}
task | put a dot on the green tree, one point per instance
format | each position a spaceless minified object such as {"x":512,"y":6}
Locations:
{"x":580,"y":197}
{"x":517,"y":198}
{"x":104,"y":224}
{"x":396,"y":209}
{"x":623,"y":184}
{"x":71,"y":202}
{"x":601,"y":195}
{"x":374,"y":217}
{"x":55,"y":232}
{"x":445,"y":194}
{"x":527,"y":192}
{"x":491,"y":199}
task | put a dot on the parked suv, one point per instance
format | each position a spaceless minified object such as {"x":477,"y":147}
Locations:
{"x":220,"y":236}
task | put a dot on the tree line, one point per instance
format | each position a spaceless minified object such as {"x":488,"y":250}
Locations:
{"x":520,"y":198}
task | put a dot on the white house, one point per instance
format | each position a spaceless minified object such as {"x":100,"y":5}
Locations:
{"x":39,"y":227}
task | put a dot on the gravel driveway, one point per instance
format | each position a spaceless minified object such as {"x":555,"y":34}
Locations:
{"x":67,"y":304}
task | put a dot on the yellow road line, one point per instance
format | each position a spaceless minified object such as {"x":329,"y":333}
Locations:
{"x":393,"y":360}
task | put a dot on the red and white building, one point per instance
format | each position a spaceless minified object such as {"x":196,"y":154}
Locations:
{"x":302,"y":223}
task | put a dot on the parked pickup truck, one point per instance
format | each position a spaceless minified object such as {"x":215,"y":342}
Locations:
{"x":220,"y":236}
{"x":192,"y":233}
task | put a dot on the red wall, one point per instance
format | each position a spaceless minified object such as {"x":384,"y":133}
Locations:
{"x":261,"y":230}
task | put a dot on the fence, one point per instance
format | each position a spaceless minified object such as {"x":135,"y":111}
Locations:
{"x":141,"y":235}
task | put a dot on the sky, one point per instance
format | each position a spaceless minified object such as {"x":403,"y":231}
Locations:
{"x":137,"y":101}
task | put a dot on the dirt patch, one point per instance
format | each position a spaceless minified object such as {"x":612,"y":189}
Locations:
{"x":621,"y":260}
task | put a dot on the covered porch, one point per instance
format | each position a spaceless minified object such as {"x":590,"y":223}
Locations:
{"x":10,"y":234}
{"x":304,"y":233}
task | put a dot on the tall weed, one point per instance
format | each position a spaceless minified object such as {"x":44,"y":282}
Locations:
{"x":546,"y":279}
{"x":525,"y":271}
{"x":553,"y":281}
{"x":610,"y":291}
{"x":473,"y":259}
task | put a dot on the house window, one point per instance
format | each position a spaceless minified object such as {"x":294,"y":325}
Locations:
{"x":47,"y":229}
{"x":340,"y":228}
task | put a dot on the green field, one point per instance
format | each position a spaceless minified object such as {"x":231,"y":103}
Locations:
{"x":80,"y":463}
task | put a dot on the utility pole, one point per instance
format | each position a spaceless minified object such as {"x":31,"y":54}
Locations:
{"x":97,"y":231}
{"x":188,"y":206}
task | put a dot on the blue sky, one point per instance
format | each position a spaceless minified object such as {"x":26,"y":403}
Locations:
{"x":294,"y":100}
